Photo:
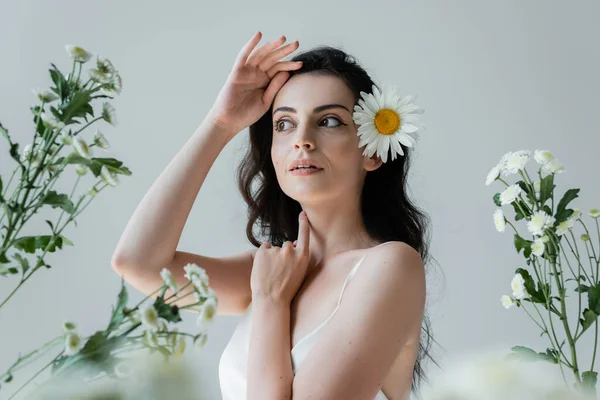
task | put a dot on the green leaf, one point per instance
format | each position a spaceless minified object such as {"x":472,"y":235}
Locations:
{"x":117,"y":315}
{"x":77,"y":106}
{"x":518,"y":214}
{"x":497,"y":200}
{"x":528,"y":190}
{"x":30,"y":244}
{"x":523,"y":353}
{"x":546,"y":188}
{"x":569,"y":195}
{"x":589,"y":379}
{"x":62,"y":87}
{"x":594,"y":298}
{"x":582,"y":288}
{"x":23,"y":261}
{"x":589,"y":317}
{"x":59,"y":200}
{"x":521,"y":243}
{"x":537,"y":295}
{"x":166,"y":311}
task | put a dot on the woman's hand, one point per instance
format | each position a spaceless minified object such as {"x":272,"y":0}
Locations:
{"x":253,"y":83}
{"x":278,"y":272}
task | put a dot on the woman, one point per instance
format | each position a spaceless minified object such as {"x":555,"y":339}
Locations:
{"x":304,"y":156}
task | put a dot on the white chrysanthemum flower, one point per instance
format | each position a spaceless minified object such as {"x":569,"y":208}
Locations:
{"x":576,"y":214}
{"x":507,"y":301}
{"x":200,"y":286}
{"x":69,"y":327}
{"x":200,"y":340}
{"x":101,"y":141}
{"x":553,"y":167}
{"x":150,"y":339}
{"x":162,"y":325}
{"x":45,"y":96}
{"x":179,"y":347}
{"x":538,"y":247}
{"x":50,"y":121}
{"x":499,"y":220}
{"x":73,"y":343}
{"x":54,"y":148}
{"x":510,"y":194}
{"x":386,"y":121}
{"x":492,"y":175}
{"x":594,"y":213}
{"x":66,"y":138}
{"x":109,"y":113}
{"x":518,"y":286}
{"x":78,"y":54}
{"x":149,"y":317}
{"x":194,"y":269}
{"x":540,"y":220}
{"x":99,"y":76}
{"x":26,"y":153}
{"x":104,"y":65}
{"x":564,"y":227}
{"x":543,"y":156}
{"x":82,"y":148}
{"x":169,"y":280}
{"x":207,"y":313}
{"x":108,"y":177}
{"x":514,"y":162}
{"x":81,"y":170}
{"x":537,"y":186}
{"x":113,"y":87}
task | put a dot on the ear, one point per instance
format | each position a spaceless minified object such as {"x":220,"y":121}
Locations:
{"x":372,"y":163}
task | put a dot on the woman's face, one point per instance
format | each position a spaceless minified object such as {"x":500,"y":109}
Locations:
{"x":312,"y":118}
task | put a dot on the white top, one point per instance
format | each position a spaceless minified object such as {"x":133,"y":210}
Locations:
{"x":233,"y":362}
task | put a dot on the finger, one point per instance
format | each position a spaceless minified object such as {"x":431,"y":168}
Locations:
{"x":277,"y":54}
{"x":246,"y":50}
{"x":283,"y":66}
{"x":287,"y":245}
{"x":265,"y":245}
{"x":274,"y":86}
{"x":303,"y":233}
{"x":295,"y":241}
{"x":257,"y":56}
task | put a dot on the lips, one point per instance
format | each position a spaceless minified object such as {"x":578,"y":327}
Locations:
{"x":304,"y":161}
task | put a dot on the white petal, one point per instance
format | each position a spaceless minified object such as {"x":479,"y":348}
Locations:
{"x":409,"y":128}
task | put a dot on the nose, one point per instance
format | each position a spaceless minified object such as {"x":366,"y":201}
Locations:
{"x":304,"y":140}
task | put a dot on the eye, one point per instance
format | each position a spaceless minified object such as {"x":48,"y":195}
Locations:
{"x":340,"y":123}
{"x":277,"y":124}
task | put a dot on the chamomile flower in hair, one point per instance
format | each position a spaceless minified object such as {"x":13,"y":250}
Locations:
{"x":386,"y":121}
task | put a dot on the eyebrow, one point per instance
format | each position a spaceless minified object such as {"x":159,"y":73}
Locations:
{"x":316,"y":110}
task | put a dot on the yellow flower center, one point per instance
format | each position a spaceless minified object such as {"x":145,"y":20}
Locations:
{"x":387,"y":121}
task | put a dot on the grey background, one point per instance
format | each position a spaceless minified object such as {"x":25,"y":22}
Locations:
{"x":492,"y":76}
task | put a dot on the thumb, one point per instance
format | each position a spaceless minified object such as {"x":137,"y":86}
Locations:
{"x":274,"y":86}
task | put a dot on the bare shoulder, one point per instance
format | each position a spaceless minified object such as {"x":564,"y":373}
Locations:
{"x":396,"y":253}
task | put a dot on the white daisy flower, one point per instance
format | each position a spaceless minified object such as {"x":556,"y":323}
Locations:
{"x":564,"y":227}
{"x":207,"y":313}
{"x":386,"y":121}
{"x":82,"y":148}
{"x":169,"y":280}
{"x":540,"y":220}
{"x":149,"y":317}
{"x":200,"y":340}
{"x":108,"y":177}
{"x":26,"y":153}
{"x":150,"y":339}
{"x":45,"y":96}
{"x":104,"y":65}
{"x":194,"y":269}
{"x":594,"y":213}
{"x":576,"y":214}
{"x":499,"y":220}
{"x":492,"y":175}
{"x":162,"y":325}
{"x":516,"y":161}
{"x":200,"y":285}
{"x":179,"y":347}
{"x":99,"y":76}
{"x":50,"y":121}
{"x":507,"y":301}
{"x":66,"y":138}
{"x":73,"y":343}
{"x":553,"y":167}
{"x":510,"y":194}
{"x":78,"y":54}
{"x":113,"y":87}
{"x":538,"y":247}
{"x":172,"y":338}
{"x":100,"y":140}
{"x":109,"y":113}
{"x":543,"y":156}
{"x":81,"y":170}
{"x":518,"y":287}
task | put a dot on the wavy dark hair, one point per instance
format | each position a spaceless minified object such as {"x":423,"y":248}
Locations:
{"x":387,"y":211}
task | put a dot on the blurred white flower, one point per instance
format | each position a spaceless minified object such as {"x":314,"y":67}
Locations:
{"x":81,"y":170}
{"x":45,"y":96}
{"x":169,"y":280}
{"x":537,"y":247}
{"x":537,"y":186}
{"x":93,"y":192}
{"x":148,"y":316}
{"x":124,"y":369}
{"x":492,"y":175}
{"x":114,"y":86}
{"x":594,"y":213}
{"x":518,"y":287}
{"x":162,"y":325}
{"x":101,"y":141}
{"x":26,"y":153}
{"x":207,"y":313}
{"x":543,"y":156}
{"x":150,"y":338}
{"x":50,"y":121}
{"x":515,"y":162}
{"x":66,"y":138}
{"x":109,"y":113}
{"x":78,"y":54}
{"x":499,"y":220}
{"x":576,"y":214}
{"x":510,"y":194}
{"x":540,"y":221}
{"x":179,"y":347}
{"x":507,"y":301}
{"x":200,"y":340}
{"x":553,"y":167}
{"x":564,"y":227}
{"x":99,"y":76}
{"x":82,"y":148}
{"x":73,"y":343}
{"x":108,"y":177}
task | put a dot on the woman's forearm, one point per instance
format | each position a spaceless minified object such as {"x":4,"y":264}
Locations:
{"x":270,"y":374}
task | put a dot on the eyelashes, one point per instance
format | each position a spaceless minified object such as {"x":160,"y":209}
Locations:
{"x":277,"y":122}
